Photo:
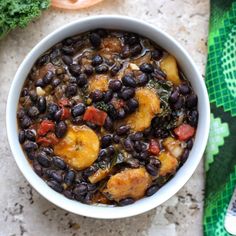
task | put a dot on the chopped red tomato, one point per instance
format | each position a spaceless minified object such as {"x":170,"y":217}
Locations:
{"x":95,"y":116}
{"x":50,"y":139}
{"x":65,"y":113}
{"x":45,"y":126}
{"x":63,"y":102}
{"x":154,"y":147}
{"x":184,"y":132}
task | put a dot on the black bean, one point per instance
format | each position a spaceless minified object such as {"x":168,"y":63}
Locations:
{"x":106,"y":141}
{"x":102,"y":32}
{"x":112,"y":112}
{"x":133,"y":163}
{"x":75,"y":69}
{"x":122,"y":130}
{"x":69,"y":177}
{"x":39,"y":83}
{"x":58,"y":162}
{"x":57,"y":115}
{"x":52,"y":109}
{"x":96,"y":95}
{"x":157,"y":54}
{"x":143,"y":156}
{"x":121,"y":113}
{"x":190,"y":144}
{"x":68,"y":194}
{"x":21,"y":113}
{"x":159,"y":74}
{"x":88,"y":70}
{"x":135,"y":50}
{"x":67,"y":59}
{"x":154,"y":161}
{"x":126,"y":201}
{"x":89,"y":171}
{"x":43,"y":159}
{"x":43,"y":60}
{"x":151,"y":190}
{"x":95,"y":39}
{"x":80,"y":189}
{"x":55,"y":186}
{"x":137,"y":146}
{"x":33,"y":112}
{"x":127,"y":93}
{"x":151,"y":169}
{"x":97,"y":60}
{"x":129,"y":81}
{"x":24,"y":92}
{"x":179,"y":104}
{"x":192,"y":118}
{"x":115,"y":69}
{"x":101,"y":69}
{"x":92,"y":187}
{"x":48,"y":77}
{"x":68,"y":50}
{"x":56,"y":82}
{"x":184,"y":89}
{"x":42,"y":105}
{"x":37,"y":168}
{"x":128,"y":145}
{"x":21,"y":136}
{"x":142,"y":79}
{"x":136,"y":136}
{"x":161,"y":133}
{"x":81,"y":80}
{"x":61,"y":129}
{"x":116,"y":138}
{"x":115,"y":85}
{"x":30,"y":135}
{"x":56,"y":175}
{"x":174,"y":97}
{"x":191,"y":101}
{"x":131,"y":39}
{"x":110,"y":151}
{"x":77,"y":120}
{"x":126,"y":51}
{"x":108,"y":125}
{"x":185,"y":155}
{"x":147,"y":68}
{"x":102,"y":154}
{"x":25,"y":122}
{"x":71,"y":90}
{"x":78,"y":110}
{"x":132,"y":104}
{"x":107,"y":96}
{"x":47,"y":150}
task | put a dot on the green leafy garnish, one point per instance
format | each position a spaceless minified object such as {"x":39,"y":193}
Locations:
{"x":102,"y":106}
{"x":18,"y":13}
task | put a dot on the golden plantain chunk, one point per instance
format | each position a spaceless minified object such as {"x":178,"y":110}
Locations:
{"x":99,"y":82}
{"x":128,"y":183}
{"x":79,"y":148}
{"x":169,"y":66}
{"x":149,"y":106}
{"x":168,"y":163}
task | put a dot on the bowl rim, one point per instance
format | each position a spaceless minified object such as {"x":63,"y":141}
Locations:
{"x":94,"y":211}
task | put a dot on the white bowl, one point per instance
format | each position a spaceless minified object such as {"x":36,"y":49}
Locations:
{"x":187,"y":66}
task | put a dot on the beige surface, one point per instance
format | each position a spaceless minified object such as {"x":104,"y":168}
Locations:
{"x":23,"y":211}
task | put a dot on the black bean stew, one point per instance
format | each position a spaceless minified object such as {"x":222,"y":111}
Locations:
{"x":107,"y":117}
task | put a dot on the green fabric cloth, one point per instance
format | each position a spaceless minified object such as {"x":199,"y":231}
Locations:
{"x":220,"y":155}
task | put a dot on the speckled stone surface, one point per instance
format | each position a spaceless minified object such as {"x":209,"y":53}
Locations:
{"x":22,"y":210}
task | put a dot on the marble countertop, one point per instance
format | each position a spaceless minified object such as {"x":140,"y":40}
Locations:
{"x":22,"y":210}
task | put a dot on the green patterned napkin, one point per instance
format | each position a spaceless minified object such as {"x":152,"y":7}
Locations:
{"x":220,"y":154}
